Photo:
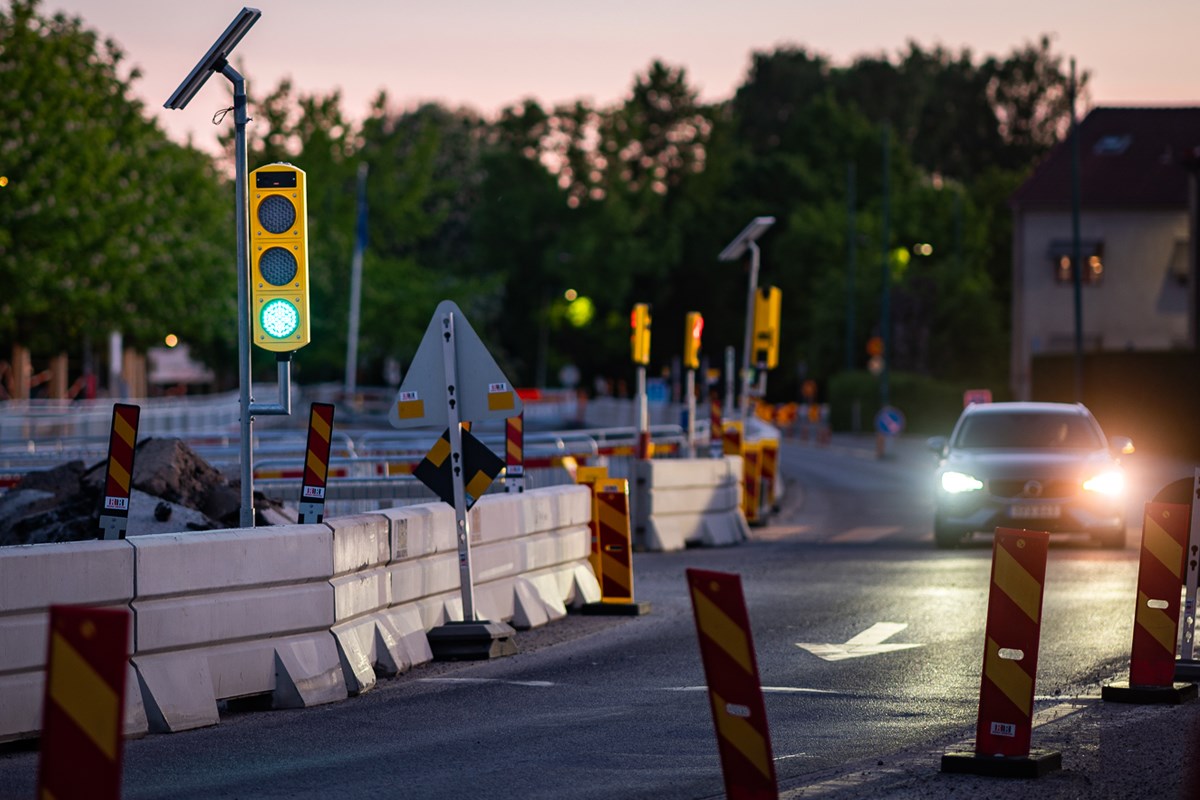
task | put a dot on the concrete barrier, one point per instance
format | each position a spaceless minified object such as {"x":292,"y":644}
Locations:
{"x":306,"y":614}
{"x":227,"y":614}
{"x":689,"y":501}
{"x":32,"y":578}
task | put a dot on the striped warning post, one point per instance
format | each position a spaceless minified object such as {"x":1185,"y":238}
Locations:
{"x":1165,"y":530}
{"x":114,"y":505}
{"x":733,"y":438}
{"x":716,"y":438}
{"x":514,"y":454}
{"x":770,"y":468}
{"x":1012,"y":636}
{"x":316,"y":463}
{"x":752,"y":481}
{"x":734,"y":690}
{"x":84,"y":704}
{"x":616,"y":551}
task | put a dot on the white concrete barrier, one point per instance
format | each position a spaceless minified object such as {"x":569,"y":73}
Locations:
{"x":228,"y":614}
{"x":33,"y":578}
{"x":303,"y":613}
{"x":689,"y":501}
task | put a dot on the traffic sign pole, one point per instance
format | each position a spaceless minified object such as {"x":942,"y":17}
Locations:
{"x":691,"y":412}
{"x":462,"y":520}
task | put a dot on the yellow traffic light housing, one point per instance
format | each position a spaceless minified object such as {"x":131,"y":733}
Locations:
{"x":279,"y":258}
{"x":767,"y":302}
{"x":639,"y":341}
{"x":693,"y":327}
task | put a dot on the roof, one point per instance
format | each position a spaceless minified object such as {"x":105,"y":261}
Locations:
{"x":1128,"y":158}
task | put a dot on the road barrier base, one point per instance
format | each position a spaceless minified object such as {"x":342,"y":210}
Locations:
{"x":1187,"y":670}
{"x":616,"y":609}
{"x":1038,"y":763}
{"x":1124,"y":692}
{"x":472,"y":641}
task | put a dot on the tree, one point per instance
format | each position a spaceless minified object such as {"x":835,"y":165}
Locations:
{"x":105,"y":224}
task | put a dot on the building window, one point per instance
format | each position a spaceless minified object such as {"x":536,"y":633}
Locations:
{"x":1061,"y":255}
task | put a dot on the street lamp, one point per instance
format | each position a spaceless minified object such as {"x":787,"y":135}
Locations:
{"x":746,"y":240}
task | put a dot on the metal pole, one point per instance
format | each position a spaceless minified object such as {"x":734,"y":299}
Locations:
{"x":885,"y":323}
{"x":643,"y":415}
{"x":461,"y":517}
{"x":748,"y":341}
{"x":690,"y":384}
{"x":360,"y":236}
{"x":245,"y":398}
{"x":1076,"y":244}
{"x":729,"y":379}
{"x":851,"y":259}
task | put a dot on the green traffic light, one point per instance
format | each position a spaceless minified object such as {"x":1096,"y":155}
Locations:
{"x":279,"y":318}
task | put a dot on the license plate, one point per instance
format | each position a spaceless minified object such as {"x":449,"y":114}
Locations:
{"x":1039,"y":511}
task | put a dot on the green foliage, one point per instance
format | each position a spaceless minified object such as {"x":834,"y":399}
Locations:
{"x":105,"y":224}
{"x":106,"y":220}
{"x":930,"y":406}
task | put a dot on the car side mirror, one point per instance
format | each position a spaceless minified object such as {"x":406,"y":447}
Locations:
{"x":1121,"y":445}
{"x":936,"y":444}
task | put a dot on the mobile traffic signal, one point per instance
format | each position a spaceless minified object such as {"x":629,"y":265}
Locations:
{"x":766,"y":327}
{"x":279,"y":258}
{"x":639,"y":320}
{"x":693,"y":327}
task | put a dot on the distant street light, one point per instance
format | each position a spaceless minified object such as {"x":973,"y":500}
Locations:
{"x":746,"y":240}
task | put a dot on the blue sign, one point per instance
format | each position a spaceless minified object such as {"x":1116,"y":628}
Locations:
{"x":889,"y":421}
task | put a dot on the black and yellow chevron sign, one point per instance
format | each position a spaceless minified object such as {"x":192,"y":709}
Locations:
{"x":480,"y":467}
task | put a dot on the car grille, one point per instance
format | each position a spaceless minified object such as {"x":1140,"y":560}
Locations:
{"x":1016,"y":488}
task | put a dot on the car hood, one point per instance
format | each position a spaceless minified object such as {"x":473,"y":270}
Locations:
{"x":1027,"y":463}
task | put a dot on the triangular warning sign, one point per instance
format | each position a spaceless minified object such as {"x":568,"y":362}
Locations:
{"x":482,"y":393}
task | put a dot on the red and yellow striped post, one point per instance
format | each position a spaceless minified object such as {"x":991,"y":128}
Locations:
{"x":733,"y":438}
{"x":614,"y":540}
{"x":114,"y":506}
{"x":716,"y":433}
{"x":316,"y":463}
{"x":1165,"y":530}
{"x":770,"y":470}
{"x":514,"y":454}
{"x":734,"y":690}
{"x":1012,"y":637}
{"x":84,"y":704}
{"x":752,"y":481}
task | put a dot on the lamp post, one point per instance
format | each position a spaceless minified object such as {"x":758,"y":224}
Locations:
{"x":747,"y":240}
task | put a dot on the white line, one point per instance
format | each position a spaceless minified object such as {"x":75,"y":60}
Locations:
{"x":534,"y":684}
{"x":878,"y":633}
{"x":866,"y":533}
{"x":765,"y":690}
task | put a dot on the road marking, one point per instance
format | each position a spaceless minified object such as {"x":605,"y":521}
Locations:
{"x":765,"y":690}
{"x":866,"y":533}
{"x":534,"y":684}
{"x":868,"y":643}
{"x":776,"y":532}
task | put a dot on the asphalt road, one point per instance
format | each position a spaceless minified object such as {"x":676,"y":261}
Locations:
{"x":603,"y":708}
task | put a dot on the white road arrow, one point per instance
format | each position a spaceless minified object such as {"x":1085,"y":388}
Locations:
{"x":868,"y":643}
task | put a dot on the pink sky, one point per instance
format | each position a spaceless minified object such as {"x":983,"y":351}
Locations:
{"x":489,"y":53}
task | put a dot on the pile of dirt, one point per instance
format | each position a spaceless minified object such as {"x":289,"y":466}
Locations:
{"x":174,"y":490}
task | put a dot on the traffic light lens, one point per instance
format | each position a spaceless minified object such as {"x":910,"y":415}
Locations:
{"x":276,"y":214}
{"x":277,"y":266}
{"x":279,"y":318}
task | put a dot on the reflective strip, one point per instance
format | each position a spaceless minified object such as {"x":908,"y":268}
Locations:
{"x":1016,"y":582}
{"x":1162,"y":546}
{"x":439,"y":451}
{"x":118,"y":473}
{"x":83,"y":695}
{"x":1008,"y":677}
{"x":1156,"y":622}
{"x":722,"y":631}
{"x":742,"y":734}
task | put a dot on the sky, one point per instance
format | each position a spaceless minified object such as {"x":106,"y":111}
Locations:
{"x":486,"y":54}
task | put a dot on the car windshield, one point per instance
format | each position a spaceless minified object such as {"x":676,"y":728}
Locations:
{"x":1027,"y":431}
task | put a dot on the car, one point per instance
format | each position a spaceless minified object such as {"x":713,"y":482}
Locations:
{"x":1034,"y":465}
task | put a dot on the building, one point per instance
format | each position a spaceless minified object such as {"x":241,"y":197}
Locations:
{"x":1137,"y":201}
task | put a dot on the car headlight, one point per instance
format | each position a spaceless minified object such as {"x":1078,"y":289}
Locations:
{"x":959,"y":482}
{"x":1111,"y":483}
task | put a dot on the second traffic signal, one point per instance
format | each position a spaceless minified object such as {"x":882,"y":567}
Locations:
{"x":639,"y":341}
{"x":692,"y":329}
{"x":279,"y":258}
{"x":767,"y":302}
